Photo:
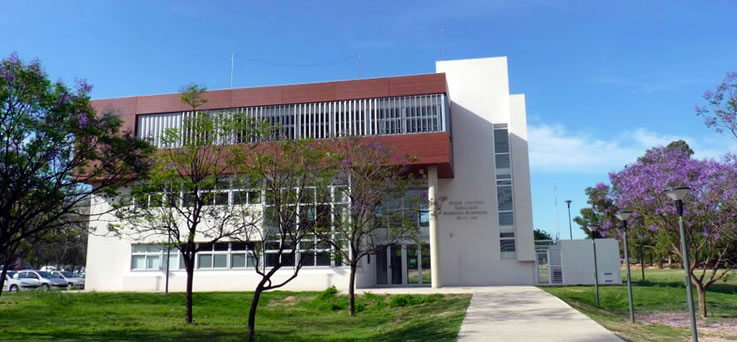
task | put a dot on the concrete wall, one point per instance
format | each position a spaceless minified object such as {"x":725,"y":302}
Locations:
{"x":578,"y":261}
{"x":469,"y":247}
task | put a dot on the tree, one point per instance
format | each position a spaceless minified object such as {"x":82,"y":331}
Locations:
{"x":181,"y":204}
{"x":55,"y":153}
{"x":381,"y":210}
{"x":709,"y":218}
{"x":601,"y":211}
{"x":720,"y":113}
{"x":293,"y":175}
{"x":541,"y":234}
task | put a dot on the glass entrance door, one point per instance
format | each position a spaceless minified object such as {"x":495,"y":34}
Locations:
{"x":403,"y":265}
{"x":396,"y":264}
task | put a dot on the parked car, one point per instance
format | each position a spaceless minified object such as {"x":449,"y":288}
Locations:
{"x":13,"y":285}
{"x":73,"y":281}
{"x":48,"y":281}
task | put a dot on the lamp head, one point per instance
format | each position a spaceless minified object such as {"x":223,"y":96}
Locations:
{"x":593,"y":227}
{"x":623,"y":215}
{"x":677,"y":193}
{"x":568,"y":202}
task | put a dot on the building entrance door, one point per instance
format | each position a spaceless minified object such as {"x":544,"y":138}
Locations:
{"x":403,"y":265}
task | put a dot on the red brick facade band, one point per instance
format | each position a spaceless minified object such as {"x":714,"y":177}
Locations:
{"x":428,"y":148}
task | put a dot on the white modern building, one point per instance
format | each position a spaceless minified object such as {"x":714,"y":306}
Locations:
{"x":469,"y":137}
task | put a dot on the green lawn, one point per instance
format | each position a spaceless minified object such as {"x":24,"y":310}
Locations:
{"x":282,"y":316}
{"x":663,"y":291}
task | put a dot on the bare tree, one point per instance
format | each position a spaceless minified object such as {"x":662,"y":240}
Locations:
{"x":382,"y":209}
{"x":293,"y":173}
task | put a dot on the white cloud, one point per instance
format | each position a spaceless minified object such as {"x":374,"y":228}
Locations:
{"x":554,"y":149}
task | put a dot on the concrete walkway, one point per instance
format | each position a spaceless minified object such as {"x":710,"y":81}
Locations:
{"x":518,"y":313}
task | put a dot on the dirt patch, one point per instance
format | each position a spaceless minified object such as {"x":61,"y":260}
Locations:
{"x":286,"y":301}
{"x":715,"y":329}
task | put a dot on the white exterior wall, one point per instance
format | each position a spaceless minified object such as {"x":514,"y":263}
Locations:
{"x":578,"y":261}
{"x":109,"y":268}
{"x":469,"y":248}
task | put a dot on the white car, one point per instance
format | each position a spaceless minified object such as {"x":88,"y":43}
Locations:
{"x":48,"y":281}
{"x":73,"y":281}
{"x":13,"y":285}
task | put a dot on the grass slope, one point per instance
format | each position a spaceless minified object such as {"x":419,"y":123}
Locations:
{"x":282,"y":316}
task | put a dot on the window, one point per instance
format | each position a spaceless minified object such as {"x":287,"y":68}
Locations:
{"x":504,"y":192}
{"x":147,"y":257}
{"x":213,"y":256}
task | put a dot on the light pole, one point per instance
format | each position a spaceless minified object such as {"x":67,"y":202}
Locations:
{"x":677,"y":195}
{"x":570,"y":226}
{"x":593,"y":229}
{"x":624,"y":216}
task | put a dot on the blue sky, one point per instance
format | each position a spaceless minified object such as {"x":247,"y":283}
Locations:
{"x":604,"y":80}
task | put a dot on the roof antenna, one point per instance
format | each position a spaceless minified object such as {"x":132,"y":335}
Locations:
{"x":232,"y":58}
{"x":442,"y":43}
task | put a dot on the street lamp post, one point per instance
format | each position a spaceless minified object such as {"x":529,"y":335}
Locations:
{"x":593,"y":228}
{"x":677,"y":195}
{"x":624,"y":216}
{"x":570,"y":226}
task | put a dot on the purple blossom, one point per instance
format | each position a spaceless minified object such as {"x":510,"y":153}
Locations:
{"x":82,"y":86}
{"x":13,"y":58}
{"x":83,"y":119}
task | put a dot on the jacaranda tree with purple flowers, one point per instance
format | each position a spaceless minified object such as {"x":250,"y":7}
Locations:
{"x":710,"y":218}
{"x":56,"y":153}
{"x":381,"y":210}
{"x":720,"y":112}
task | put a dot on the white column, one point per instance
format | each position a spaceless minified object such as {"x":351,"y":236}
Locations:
{"x":432,"y":188}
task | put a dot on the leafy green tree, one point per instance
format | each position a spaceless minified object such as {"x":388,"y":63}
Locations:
{"x":540,"y":234}
{"x":184,"y":203}
{"x":601,"y":211}
{"x":55,"y":153}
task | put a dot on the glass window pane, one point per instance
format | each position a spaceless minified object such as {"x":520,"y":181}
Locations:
{"x":173,"y":261}
{"x":239,"y":197}
{"x":254,"y":197}
{"x":308,"y":259}
{"x":287,"y":260}
{"x":221,"y":260}
{"x":506,"y":219}
{"x":502,"y":161}
{"x":507,"y":245}
{"x":271,"y":259}
{"x":154,"y":248}
{"x":501,"y":141}
{"x":221,"y":198}
{"x":204,"y":260}
{"x":238,"y":260}
{"x":323,"y":259}
{"x":140,"y":248}
{"x":308,"y":196}
{"x":504,"y":197}
{"x":251,"y":261}
{"x":238,"y":246}
{"x":221,"y":246}
{"x":138,"y":262}
{"x":153,"y":262}
{"x":204,"y":247}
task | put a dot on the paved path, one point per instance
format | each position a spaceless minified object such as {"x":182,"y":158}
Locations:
{"x":518,"y":313}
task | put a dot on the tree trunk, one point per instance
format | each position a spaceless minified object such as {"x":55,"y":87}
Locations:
{"x":251,"y":333}
{"x":190,"y":277}
{"x":2,"y":276}
{"x":702,"y":300}
{"x":352,"y":291}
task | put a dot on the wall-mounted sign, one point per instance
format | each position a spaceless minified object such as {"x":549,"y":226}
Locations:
{"x":464,"y":210}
